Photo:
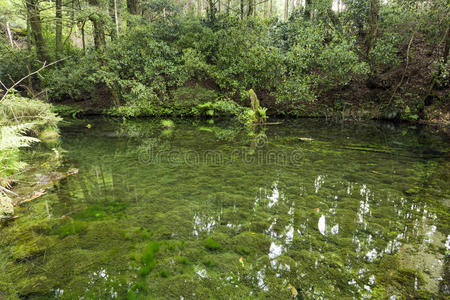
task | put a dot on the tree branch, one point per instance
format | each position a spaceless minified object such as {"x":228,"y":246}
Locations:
{"x":31,"y":74}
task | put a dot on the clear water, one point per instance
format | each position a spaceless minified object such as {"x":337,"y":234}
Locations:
{"x":217,"y":211}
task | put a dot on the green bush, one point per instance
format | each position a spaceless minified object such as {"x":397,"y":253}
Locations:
{"x":73,"y":79}
{"x":16,"y":64}
{"x":183,"y":66}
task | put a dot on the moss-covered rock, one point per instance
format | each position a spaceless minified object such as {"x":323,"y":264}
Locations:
{"x":6,"y":207}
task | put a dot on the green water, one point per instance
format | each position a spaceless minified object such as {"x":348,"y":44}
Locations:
{"x":217,"y":211}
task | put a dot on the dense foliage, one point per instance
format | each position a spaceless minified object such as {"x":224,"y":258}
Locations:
{"x":136,"y":58}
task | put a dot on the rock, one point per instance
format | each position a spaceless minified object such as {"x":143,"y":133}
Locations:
{"x":305,"y":139}
{"x":6,"y":207}
{"x":430,"y":265}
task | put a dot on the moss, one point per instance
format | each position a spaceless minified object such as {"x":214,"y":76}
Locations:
{"x":148,"y":261}
{"x":164,"y":273}
{"x":208,"y":263}
{"x":167,"y":203}
{"x":248,"y":243}
{"x":48,"y":135}
{"x":211,"y":244}
{"x":31,"y":246}
{"x":101,"y":211}
{"x":183,"y":260}
{"x":72,"y":227}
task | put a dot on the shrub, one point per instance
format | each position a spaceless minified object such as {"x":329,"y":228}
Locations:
{"x":74,"y":79}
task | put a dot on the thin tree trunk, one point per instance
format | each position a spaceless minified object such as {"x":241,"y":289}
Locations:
{"x":286,"y":10}
{"x":308,"y":9}
{"x":250,"y":8}
{"x":270,"y":8}
{"x":447,"y":46}
{"x":36,"y":29}
{"x":58,"y":28}
{"x":83,"y":40}
{"x":373,"y":25}
{"x":29,"y":38}
{"x":116,"y":17}
{"x":10,"y":38}
{"x":266,"y":8}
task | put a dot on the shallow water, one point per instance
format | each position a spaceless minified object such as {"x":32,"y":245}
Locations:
{"x":204,"y":210}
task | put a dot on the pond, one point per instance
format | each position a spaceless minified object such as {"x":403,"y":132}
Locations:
{"x":202,"y":210}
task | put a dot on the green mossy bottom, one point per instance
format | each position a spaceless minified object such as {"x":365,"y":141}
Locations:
{"x":220,"y":214}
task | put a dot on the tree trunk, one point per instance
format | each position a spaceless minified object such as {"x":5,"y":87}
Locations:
{"x":266,"y":8}
{"x":83,"y":39}
{"x":270,"y":8}
{"x":250,"y":8}
{"x":133,"y":7}
{"x":447,"y":46}
{"x":308,"y":9}
{"x":10,"y":38}
{"x":36,"y":29}
{"x":114,"y":16}
{"x":199,"y":7}
{"x":98,"y":28}
{"x":99,"y":34}
{"x":58,"y":28}
{"x":373,"y":25}
{"x":286,"y":10}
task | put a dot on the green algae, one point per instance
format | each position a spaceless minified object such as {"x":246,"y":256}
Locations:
{"x":241,"y":227}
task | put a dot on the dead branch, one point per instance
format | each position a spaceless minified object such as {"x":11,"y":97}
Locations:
{"x":31,"y":74}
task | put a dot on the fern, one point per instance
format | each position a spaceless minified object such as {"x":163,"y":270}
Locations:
{"x":20,"y":117}
{"x":20,"y":110}
{"x":13,"y":137}
{"x":11,"y":140}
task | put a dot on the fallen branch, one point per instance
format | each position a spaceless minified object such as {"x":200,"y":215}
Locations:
{"x":5,"y":190}
{"x":34,"y":196}
{"x":31,"y":74}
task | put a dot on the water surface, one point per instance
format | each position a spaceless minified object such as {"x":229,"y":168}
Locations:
{"x":205,"y":210}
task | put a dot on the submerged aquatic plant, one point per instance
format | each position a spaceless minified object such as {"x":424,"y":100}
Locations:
{"x":148,"y":259}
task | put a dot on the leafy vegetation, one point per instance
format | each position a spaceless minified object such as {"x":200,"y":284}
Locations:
{"x":22,"y":122}
{"x":159,"y":58}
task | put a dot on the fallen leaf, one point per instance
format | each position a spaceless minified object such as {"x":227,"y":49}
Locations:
{"x":293,"y":291}
{"x":241,"y":260}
